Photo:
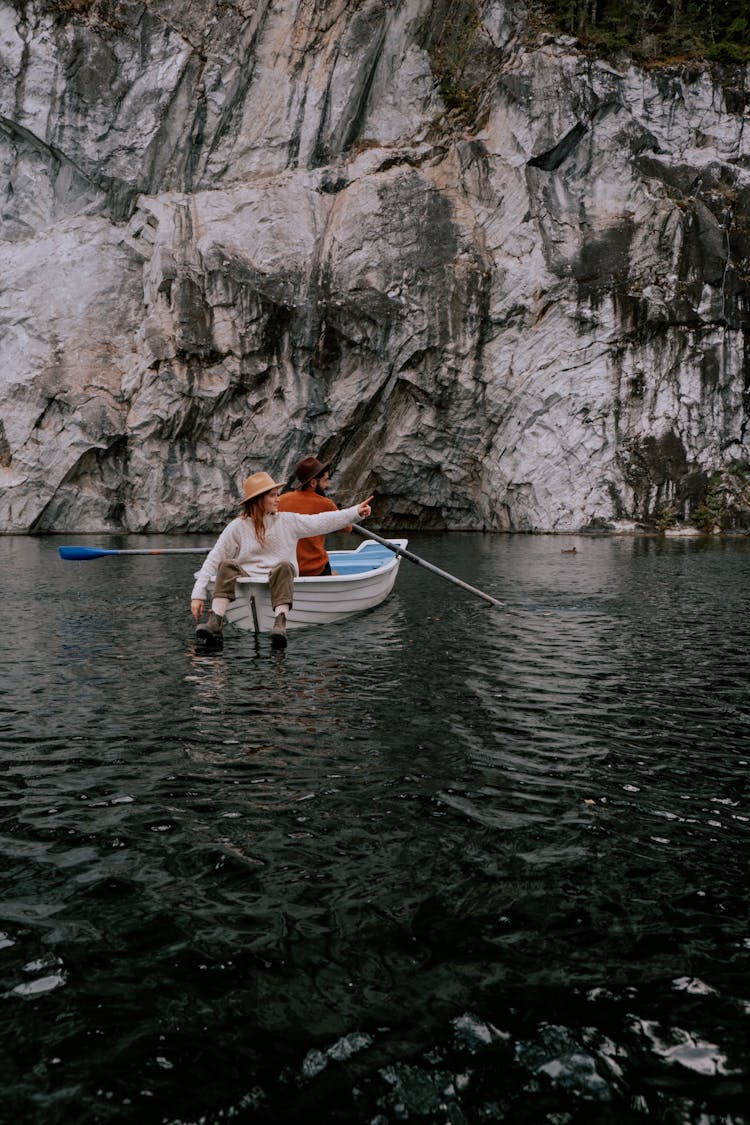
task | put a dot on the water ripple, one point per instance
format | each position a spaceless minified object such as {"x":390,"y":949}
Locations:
{"x":444,"y":856}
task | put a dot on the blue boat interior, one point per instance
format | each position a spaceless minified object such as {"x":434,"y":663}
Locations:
{"x":372,"y":556}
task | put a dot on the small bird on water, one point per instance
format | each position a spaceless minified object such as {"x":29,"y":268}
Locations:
{"x":569,"y":551}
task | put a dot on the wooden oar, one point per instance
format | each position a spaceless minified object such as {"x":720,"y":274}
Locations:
{"x":78,"y":554}
{"x":422,"y":562}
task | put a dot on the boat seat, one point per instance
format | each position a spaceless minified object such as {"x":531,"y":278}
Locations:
{"x":354,"y":567}
{"x":369,"y":558}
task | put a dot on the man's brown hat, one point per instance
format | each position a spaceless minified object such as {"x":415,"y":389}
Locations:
{"x":309,"y":468}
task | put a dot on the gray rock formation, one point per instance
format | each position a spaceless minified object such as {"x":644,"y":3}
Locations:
{"x":501,"y":284}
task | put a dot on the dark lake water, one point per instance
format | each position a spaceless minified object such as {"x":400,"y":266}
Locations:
{"x":442,"y":863}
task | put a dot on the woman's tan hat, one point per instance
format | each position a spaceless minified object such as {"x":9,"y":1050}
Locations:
{"x":256,"y":484}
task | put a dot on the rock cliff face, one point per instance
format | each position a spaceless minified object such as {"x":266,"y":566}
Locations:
{"x":499,"y":283}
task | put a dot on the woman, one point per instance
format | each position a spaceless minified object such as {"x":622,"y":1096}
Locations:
{"x":261,"y":543}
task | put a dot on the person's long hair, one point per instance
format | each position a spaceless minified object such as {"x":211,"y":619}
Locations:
{"x":255,"y":512}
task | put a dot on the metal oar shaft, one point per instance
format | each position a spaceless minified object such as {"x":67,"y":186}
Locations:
{"x":423,"y":562}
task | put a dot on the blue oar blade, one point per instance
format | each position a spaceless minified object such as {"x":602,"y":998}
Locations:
{"x":79,"y":553}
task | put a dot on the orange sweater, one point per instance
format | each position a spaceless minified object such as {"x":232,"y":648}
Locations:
{"x":311,"y":553}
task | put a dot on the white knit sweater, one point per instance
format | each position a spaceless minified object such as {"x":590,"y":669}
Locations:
{"x":239,"y":542}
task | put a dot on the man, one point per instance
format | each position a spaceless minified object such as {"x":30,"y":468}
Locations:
{"x":309,"y":499}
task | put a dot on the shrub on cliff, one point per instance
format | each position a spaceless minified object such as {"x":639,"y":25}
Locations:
{"x":658,"y":30}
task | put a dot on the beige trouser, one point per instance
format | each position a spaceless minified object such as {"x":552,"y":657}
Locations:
{"x":280,"y":582}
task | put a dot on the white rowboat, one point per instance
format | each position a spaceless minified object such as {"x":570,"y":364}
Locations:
{"x":364,"y":579}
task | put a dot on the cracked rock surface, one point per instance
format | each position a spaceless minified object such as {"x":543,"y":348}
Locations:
{"x":233,"y":234}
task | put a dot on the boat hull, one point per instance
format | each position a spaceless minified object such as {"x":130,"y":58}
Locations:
{"x":365,"y":578}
